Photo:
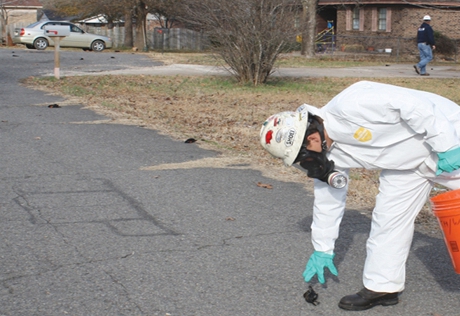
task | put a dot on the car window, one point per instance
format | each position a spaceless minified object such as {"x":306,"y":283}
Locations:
{"x":76,"y":29}
{"x":73,"y":28}
{"x":33,"y":24}
{"x":50,"y":23}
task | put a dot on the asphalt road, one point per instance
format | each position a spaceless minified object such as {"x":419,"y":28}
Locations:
{"x":88,"y":229}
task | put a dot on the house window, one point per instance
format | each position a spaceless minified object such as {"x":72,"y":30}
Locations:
{"x":382,"y":21}
{"x":297,"y":22}
{"x":355,"y":18}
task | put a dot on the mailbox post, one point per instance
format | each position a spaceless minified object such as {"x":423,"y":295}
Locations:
{"x":57,"y":32}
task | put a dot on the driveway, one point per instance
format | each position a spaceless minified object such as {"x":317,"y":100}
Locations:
{"x":99,"y":218}
{"x":114,"y":65}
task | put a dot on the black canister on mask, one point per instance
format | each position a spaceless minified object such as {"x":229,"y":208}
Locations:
{"x":317,"y":164}
{"x":321,"y":168}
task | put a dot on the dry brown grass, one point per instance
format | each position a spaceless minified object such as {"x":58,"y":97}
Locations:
{"x":223,"y":115}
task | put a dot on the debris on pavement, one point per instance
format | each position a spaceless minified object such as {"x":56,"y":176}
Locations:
{"x":311,"y":296}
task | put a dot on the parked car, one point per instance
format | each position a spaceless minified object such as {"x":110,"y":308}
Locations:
{"x":34,"y":37}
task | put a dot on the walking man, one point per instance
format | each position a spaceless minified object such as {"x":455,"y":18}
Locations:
{"x":425,"y":43}
{"x":412,"y":136}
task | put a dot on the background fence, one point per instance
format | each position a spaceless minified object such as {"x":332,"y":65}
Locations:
{"x":177,"y":39}
{"x":397,"y":47}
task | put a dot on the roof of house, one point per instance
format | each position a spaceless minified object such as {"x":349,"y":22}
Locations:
{"x":23,"y":4}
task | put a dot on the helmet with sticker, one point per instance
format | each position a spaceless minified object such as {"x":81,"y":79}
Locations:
{"x":282,"y":135}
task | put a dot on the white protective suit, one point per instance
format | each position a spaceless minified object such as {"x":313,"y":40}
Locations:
{"x":397,"y":130}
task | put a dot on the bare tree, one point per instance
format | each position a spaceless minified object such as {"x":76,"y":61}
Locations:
{"x":140,"y":12}
{"x":309,"y":27}
{"x":248,"y":34}
{"x":128,"y":16}
{"x":167,"y":11}
{"x":3,"y":21}
{"x":164,"y":10}
{"x":69,"y":7}
{"x":115,"y":10}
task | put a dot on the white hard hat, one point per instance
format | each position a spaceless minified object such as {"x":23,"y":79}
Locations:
{"x":282,"y":135}
{"x":427,"y":18}
{"x":304,"y":108}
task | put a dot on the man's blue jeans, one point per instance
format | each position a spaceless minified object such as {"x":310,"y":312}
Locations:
{"x":426,"y":55}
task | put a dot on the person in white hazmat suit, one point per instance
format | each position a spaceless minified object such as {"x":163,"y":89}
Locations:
{"x":412,"y":136}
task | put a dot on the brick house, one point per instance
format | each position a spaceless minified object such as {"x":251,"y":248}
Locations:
{"x":388,"y":23}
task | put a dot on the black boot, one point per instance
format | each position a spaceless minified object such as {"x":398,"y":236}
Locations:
{"x":366,"y":299}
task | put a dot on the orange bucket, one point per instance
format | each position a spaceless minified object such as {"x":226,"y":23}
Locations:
{"x":446,"y":198}
{"x":446,"y":208}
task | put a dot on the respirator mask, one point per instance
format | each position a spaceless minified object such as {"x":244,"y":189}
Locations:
{"x":317,"y":164}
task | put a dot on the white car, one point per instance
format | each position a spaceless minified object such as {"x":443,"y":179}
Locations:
{"x":34,"y":37}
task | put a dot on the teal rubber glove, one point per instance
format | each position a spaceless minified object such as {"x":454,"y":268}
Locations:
{"x":316,"y":264}
{"x":448,"y":161}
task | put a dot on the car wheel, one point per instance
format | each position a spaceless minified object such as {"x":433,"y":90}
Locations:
{"x":30,"y":46}
{"x":41,"y":43}
{"x":97,"y":46}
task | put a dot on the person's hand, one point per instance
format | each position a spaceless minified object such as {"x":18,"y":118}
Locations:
{"x":433,"y":47}
{"x":316,"y":264}
{"x":448,"y":161}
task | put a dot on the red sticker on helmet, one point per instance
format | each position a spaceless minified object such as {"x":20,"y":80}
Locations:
{"x":268,"y":137}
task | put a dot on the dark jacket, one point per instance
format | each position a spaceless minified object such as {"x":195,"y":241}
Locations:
{"x":425,"y":34}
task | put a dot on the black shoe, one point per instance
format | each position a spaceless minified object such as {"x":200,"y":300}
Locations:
{"x":417,"y":70}
{"x":366,"y":299}
{"x":425,"y":74}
